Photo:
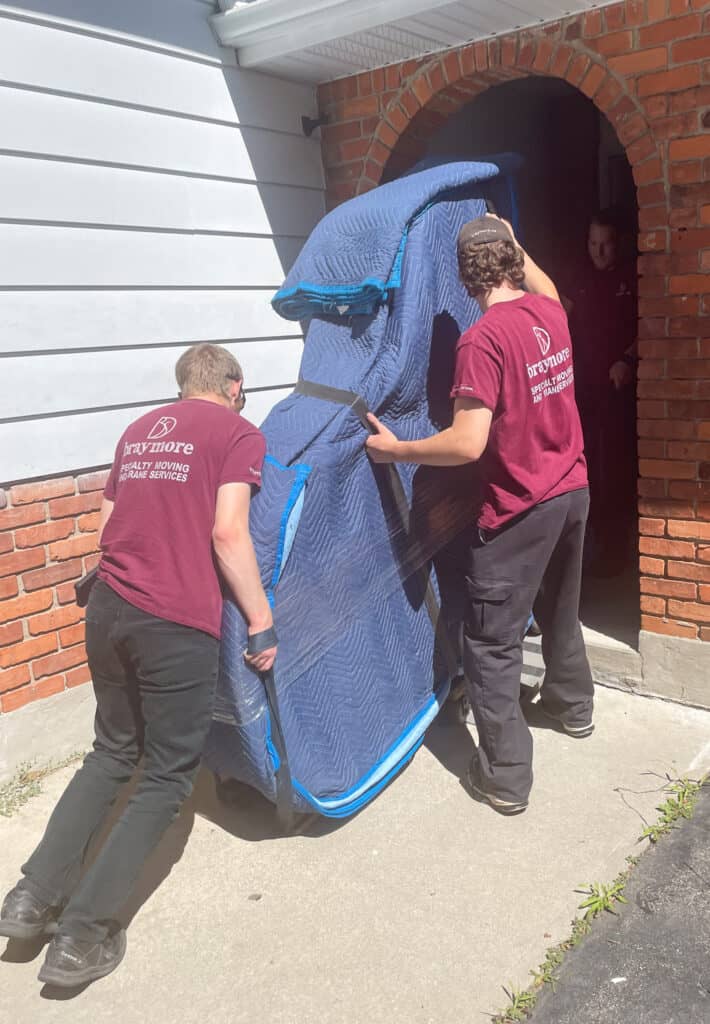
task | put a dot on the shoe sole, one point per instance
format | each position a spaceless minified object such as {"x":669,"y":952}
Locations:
{"x":62,"y":979}
{"x":498,"y":805}
{"x":25,"y":932}
{"x":577,"y":732}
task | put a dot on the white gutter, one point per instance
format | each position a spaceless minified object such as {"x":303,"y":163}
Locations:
{"x":267,"y":29}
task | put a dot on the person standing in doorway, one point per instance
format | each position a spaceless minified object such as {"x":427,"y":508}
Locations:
{"x":602,"y":311}
{"x":175,"y":509}
{"x":515,"y":415}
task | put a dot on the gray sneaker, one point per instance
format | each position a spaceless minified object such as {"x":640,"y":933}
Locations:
{"x":478,"y":791}
{"x":578,"y":731}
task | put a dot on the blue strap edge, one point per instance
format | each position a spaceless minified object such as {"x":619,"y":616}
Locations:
{"x":302,"y":473}
{"x":329,"y":289}
{"x":362,"y":792}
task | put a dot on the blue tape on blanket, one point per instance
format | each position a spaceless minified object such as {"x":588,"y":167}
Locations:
{"x":290,"y":519}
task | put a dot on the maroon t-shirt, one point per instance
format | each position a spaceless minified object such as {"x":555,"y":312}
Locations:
{"x":157,"y":545}
{"x":517,"y":360}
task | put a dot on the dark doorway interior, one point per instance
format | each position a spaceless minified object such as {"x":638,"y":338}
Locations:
{"x":574,"y":166}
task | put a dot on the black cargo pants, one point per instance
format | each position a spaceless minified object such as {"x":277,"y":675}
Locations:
{"x":154,"y":682}
{"x":535,"y":561}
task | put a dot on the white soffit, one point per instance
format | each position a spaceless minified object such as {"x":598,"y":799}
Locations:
{"x":318,"y":40}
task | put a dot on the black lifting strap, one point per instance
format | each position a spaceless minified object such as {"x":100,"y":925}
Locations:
{"x":328,"y":394}
{"x":359,"y":407}
{"x":259,"y":642}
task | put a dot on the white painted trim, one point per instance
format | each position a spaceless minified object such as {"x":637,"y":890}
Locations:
{"x":269,"y":29}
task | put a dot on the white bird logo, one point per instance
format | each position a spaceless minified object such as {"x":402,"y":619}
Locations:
{"x":162,"y":427}
{"x":543,"y":339}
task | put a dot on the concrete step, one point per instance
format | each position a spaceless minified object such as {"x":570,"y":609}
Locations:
{"x":612,"y":661}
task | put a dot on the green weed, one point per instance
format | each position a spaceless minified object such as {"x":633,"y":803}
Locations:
{"x":602,"y":897}
{"x":27,"y":782}
{"x":680,"y":804}
{"x":599,"y":899}
{"x":521,"y":1004}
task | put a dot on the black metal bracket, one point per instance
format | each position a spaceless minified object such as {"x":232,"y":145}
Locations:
{"x":309,"y":124}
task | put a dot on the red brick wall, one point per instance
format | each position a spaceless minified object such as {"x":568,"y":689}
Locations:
{"x":646,"y":65}
{"x":47,"y":541}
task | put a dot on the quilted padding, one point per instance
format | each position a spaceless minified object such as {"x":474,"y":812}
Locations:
{"x":358,"y":672}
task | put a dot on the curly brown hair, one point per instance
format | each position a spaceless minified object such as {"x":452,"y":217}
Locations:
{"x":485,"y":266}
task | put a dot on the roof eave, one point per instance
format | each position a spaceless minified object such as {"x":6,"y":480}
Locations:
{"x":270,"y":29}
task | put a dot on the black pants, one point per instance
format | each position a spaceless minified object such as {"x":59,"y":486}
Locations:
{"x":154,"y":682}
{"x":533,"y":562}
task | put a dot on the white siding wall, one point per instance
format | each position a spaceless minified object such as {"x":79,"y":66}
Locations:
{"x":151,"y":195}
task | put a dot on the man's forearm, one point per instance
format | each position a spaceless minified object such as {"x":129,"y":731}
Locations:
{"x":237,"y":562}
{"x":443,"y":449}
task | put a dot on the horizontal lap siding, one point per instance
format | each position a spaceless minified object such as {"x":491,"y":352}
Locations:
{"x":75,"y":439}
{"x":50,"y":191}
{"x":115,"y":70}
{"x":127,"y":376}
{"x":151,"y":195}
{"x":45,"y":321}
{"x":186,"y":29}
{"x":74,"y":129}
{"x":61,"y":256}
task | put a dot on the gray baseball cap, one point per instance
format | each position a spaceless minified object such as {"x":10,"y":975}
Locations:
{"x":483,"y":230}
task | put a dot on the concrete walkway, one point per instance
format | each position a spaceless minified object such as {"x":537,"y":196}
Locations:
{"x":415,"y":912}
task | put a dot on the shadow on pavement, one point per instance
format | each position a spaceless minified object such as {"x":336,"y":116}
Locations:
{"x":244,"y":813}
{"x":450,"y":742}
{"x":18,"y":952}
{"x":55,"y":994}
{"x":536,"y":719}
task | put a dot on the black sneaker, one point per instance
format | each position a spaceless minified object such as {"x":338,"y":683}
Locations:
{"x":578,"y":731}
{"x":24,"y":916}
{"x":478,"y":791}
{"x":70,"y":963}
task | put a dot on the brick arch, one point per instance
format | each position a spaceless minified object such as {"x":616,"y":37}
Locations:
{"x":644,"y":66}
{"x":444,"y":84}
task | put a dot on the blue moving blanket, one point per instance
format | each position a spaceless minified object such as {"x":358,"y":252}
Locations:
{"x":354,"y":257}
{"x":361,"y":668}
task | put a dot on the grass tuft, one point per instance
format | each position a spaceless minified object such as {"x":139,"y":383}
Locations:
{"x":599,"y":898}
{"x":679,"y":805}
{"x":27,"y":782}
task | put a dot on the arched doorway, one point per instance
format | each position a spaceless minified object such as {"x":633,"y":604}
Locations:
{"x":573,"y":167}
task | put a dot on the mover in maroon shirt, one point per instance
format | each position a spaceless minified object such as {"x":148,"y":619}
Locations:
{"x":175,"y":509}
{"x":515,"y":415}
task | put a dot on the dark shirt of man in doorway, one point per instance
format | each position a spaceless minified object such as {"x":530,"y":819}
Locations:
{"x":175,"y":511}
{"x":603,"y":321}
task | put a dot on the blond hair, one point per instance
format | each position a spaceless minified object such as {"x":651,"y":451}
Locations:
{"x":206,"y":369}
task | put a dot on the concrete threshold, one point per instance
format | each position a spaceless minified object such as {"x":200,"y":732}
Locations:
{"x":613,"y":662}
